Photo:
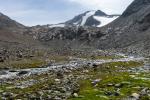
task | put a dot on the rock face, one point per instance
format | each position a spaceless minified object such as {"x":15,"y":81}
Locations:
{"x":90,"y":18}
{"x":131,"y":30}
{"x":135,"y":7}
{"x":65,"y":36}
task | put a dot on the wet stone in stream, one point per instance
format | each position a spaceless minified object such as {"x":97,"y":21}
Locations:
{"x":3,"y":72}
{"x":22,"y":73}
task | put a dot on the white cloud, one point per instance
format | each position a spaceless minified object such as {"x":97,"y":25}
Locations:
{"x":109,"y":6}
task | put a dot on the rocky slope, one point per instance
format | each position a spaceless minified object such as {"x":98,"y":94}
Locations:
{"x":6,"y":22}
{"x":131,"y":30}
{"x":14,"y":42}
{"x":80,"y":32}
{"x":60,"y":37}
{"x":12,"y":32}
{"x":90,"y":18}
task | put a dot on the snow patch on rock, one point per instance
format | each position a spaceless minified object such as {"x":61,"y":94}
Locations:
{"x":104,"y":20}
{"x":57,"y":25}
{"x":84,"y":18}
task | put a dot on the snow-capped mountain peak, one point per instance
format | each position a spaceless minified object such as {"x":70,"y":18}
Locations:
{"x":94,"y":18}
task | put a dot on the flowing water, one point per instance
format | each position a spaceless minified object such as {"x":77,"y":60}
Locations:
{"x":74,"y":63}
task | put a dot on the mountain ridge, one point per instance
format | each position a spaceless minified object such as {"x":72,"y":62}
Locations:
{"x":12,"y":33}
{"x":88,"y":19}
{"x":129,"y":32}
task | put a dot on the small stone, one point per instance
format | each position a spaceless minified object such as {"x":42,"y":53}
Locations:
{"x":95,"y":65}
{"x":110,"y":84}
{"x":75,"y":95}
{"x":119,"y":85}
{"x":3,"y":98}
{"x":126,"y":83}
{"x":116,"y":94}
{"x":132,"y":76}
{"x":7,"y":94}
{"x":59,"y":74}
{"x":116,"y":66}
{"x":135,"y":95}
{"x":40,"y":93}
{"x":12,"y":71}
{"x":57,"y":80}
{"x":2,"y":59}
{"x":96,"y":81}
{"x":85,"y":71}
{"x":57,"y":98}
{"x":3,"y":73}
{"x":108,"y":93}
{"x":144,"y":91}
{"x":49,"y":97}
{"x":22,"y":73}
{"x":68,"y":94}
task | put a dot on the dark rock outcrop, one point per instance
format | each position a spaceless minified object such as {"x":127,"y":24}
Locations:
{"x":91,"y":21}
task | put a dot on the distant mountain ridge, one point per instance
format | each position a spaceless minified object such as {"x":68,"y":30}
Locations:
{"x":6,"y":22}
{"x":12,"y":32}
{"x":89,"y":18}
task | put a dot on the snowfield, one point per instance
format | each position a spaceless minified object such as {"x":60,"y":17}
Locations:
{"x":84,"y":18}
{"x":57,"y":25}
{"x":104,"y":20}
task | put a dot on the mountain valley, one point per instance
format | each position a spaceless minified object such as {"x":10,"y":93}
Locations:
{"x":94,"y":56}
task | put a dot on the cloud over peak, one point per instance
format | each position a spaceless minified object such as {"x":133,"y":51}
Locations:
{"x":108,"y":6}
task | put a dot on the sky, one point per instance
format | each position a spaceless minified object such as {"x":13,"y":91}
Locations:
{"x":41,"y":12}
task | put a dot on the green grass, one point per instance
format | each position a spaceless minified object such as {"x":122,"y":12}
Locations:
{"x":102,"y":57}
{"x":88,"y":92}
{"x":109,"y":73}
{"x":130,"y":85}
{"x":34,"y":62}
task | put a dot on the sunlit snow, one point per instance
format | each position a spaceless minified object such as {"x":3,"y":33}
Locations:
{"x":84,"y":18}
{"x":105,"y":20}
{"x":57,"y":25}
